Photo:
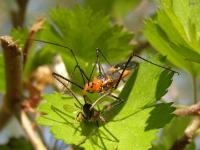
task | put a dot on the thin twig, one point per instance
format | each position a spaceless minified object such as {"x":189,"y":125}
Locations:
{"x":188,"y":110}
{"x":192,"y":128}
{"x":29,"y":41}
{"x":18,"y":16}
{"x":33,"y":135}
{"x":189,"y":134}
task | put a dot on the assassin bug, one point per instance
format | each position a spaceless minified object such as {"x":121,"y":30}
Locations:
{"x":87,"y":113}
{"x":106,"y":81}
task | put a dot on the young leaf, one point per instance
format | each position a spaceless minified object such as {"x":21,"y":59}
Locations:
{"x":129,"y":125}
{"x":174,"y":33}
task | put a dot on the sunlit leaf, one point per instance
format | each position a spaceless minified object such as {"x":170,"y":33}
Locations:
{"x":130,"y":125}
{"x":174,"y":32}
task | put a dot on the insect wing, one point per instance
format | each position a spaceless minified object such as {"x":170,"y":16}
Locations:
{"x":131,"y":65}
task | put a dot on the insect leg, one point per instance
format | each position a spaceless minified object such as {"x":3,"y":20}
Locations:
{"x":99,"y":99}
{"x":59,"y":76}
{"x":104,"y":57}
{"x":97,"y":62}
{"x":83,"y":74}
{"x":120,"y":77}
{"x":81,"y":71}
{"x":115,"y":97}
{"x":101,"y":140}
{"x":115,"y":138}
{"x":77,"y":63}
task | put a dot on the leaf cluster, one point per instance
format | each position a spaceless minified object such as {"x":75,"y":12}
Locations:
{"x":174,"y":32}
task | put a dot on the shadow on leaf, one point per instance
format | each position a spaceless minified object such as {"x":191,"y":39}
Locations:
{"x":160,"y":116}
{"x":164,"y":82}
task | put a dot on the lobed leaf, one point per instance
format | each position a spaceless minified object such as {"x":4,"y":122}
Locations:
{"x":174,"y":32}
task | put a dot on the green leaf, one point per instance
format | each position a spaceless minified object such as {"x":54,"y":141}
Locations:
{"x":163,"y":83}
{"x":137,"y":115}
{"x":83,"y":31}
{"x":154,"y":121}
{"x":2,"y":74}
{"x":130,"y":125}
{"x":174,"y":32}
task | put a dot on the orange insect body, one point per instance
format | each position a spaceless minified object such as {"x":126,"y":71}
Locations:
{"x":94,"y":86}
{"x":105,"y":83}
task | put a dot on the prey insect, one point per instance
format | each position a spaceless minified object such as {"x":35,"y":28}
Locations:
{"x":106,"y":81}
{"x":87,"y":113}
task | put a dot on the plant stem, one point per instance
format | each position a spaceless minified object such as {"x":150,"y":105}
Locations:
{"x":194,"y":84}
{"x":13,"y":72}
{"x":189,"y":134}
{"x":29,"y":41}
{"x":13,"y":98}
{"x":18,"y":16}
{"x":32,"y":134}
{"x":193,"y":110}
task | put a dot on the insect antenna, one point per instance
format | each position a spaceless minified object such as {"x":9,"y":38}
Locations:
{"x":104,"y":56}
{"x":57,"y":77}
{"x":155,"y":64}
{"x":83,"y":74}
{"x":126,"y":65}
